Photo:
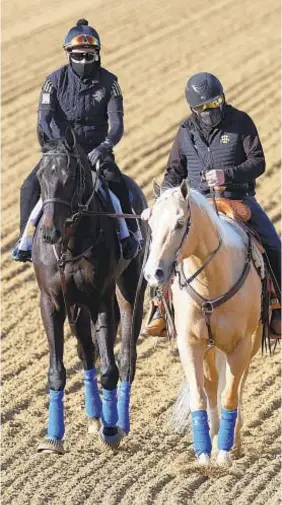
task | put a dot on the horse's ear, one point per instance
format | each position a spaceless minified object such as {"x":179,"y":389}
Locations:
{"x":70,"y":138}
{"x":156,"y":188}
{"x":185,"y":189}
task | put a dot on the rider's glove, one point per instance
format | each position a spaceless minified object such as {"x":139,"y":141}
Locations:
{"x":100,"y":153}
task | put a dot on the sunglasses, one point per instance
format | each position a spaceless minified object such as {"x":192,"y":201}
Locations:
{"x":83,"y":56}
{"x":81,"y":40}
{"x":210,"y":105}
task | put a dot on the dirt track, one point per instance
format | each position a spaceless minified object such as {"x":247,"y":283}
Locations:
{"x":153,"y":47}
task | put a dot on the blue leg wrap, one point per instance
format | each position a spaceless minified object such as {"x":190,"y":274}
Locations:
{"x":226,"y":429}
{"x":123,"y":405}
{"x":202,"y":439}
{"x":56,"y":427}
{"x":93,"y":404}
{"x":109,"y":408}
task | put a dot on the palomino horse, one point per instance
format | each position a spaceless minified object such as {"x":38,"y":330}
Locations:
{"x":81,"y":274}
{"x":217,"y":302}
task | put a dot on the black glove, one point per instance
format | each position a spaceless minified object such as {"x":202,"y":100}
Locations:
{"x":99,"y":153}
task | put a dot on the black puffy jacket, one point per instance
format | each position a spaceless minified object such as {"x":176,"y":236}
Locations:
{"x":233,"y":146}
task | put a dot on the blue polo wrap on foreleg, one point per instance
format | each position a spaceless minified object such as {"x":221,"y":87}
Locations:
{"x":123,"y":405}
{"x":56,"y":427}
{"x":109,"y":408}
{"x":225,"y":437}
{"x":93,"y":404}
{"x":201,"y":435}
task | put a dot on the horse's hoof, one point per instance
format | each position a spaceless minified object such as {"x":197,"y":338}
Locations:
{"x":111,"y":441}
{"x":204,"y":459}
{"x":223,"y":458}
{"x":94,"y":426}
{"x":51,"y":446}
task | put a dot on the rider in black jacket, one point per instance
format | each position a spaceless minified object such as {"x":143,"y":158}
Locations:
{"x":87,"y":97}
{"x":218,"y":145}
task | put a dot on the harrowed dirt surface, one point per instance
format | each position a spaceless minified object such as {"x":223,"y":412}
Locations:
{"x":153,"y":47}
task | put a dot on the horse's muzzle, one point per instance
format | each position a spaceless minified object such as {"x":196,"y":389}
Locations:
{"x":51,"y":235}
{"x":157,"y":276}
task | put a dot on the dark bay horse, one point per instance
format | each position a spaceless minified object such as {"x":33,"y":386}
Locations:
{"x":83,"y":276}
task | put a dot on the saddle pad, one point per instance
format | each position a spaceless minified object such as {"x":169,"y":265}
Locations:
{"x":235,"y":209}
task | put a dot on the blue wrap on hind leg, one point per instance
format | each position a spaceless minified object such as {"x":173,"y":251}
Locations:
{"x":109,"y":408}
{"x":123,"y":406}
{"x":93,"y":404}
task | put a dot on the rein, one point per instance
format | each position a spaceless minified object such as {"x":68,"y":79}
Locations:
{"x":208,"y":306}
{"x":83,"y":210}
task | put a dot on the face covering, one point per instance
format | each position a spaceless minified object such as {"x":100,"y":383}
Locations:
{"x":211,"y":117}
{"x":84,"y":69}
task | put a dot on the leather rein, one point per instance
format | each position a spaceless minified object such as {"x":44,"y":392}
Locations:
{"x":208,"y":305}
{"x":70,"y":224}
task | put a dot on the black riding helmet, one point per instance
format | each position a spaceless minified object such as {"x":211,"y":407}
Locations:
{"x":202,"y":88}
{"x":82,"y":36}
{"x":83,"y":45}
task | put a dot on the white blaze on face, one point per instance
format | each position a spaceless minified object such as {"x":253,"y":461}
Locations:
{"x":159,"y":264}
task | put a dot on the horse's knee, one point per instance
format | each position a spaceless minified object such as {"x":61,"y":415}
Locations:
{"x":57,"y":378}
{"x":229,"y":400}
{"x":198,"y":399}
{"x":127,"y":365}
{"x":109,"y":377}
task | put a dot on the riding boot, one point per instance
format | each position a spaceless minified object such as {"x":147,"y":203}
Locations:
{"x":274,"y":256}
{"x":156,"y":323}
{"x":130,"y":245}
{"x":29,"y":195}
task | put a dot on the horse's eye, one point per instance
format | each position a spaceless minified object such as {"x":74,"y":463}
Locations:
{"x":179,"y":224}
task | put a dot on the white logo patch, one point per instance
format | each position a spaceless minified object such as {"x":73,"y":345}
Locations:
{"x":99,"y":94}
{"x":45,"y":98}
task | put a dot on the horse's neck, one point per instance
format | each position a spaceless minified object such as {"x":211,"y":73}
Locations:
{"x":226,"y":265}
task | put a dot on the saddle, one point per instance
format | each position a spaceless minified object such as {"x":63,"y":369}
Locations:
{"x":239,"y":213}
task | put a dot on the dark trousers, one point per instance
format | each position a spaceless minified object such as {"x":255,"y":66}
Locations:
{"x":30,"y":193}
{"x":268,"y":235}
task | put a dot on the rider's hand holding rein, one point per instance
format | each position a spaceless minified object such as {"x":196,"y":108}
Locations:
{"x":100,"y":153}
{"x":215,"y":178}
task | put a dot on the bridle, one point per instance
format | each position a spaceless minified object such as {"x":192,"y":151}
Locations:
{"x":206,"y":305}
{"x":81,"y":186}
{"x":82,"y":211}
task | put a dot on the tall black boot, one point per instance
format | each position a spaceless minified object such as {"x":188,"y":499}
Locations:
{"x":29,"y":195}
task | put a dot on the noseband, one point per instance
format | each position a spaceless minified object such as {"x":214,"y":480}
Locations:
{"x":209,"y":258}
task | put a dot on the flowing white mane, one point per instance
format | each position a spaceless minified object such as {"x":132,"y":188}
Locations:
{"x":231,"y":233}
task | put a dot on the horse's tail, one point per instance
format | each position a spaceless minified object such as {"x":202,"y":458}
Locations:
{"x":180,"y":420}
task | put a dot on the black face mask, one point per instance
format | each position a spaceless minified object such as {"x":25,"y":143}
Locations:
{"x":211,"y":117}
{"x":84,"y":70}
